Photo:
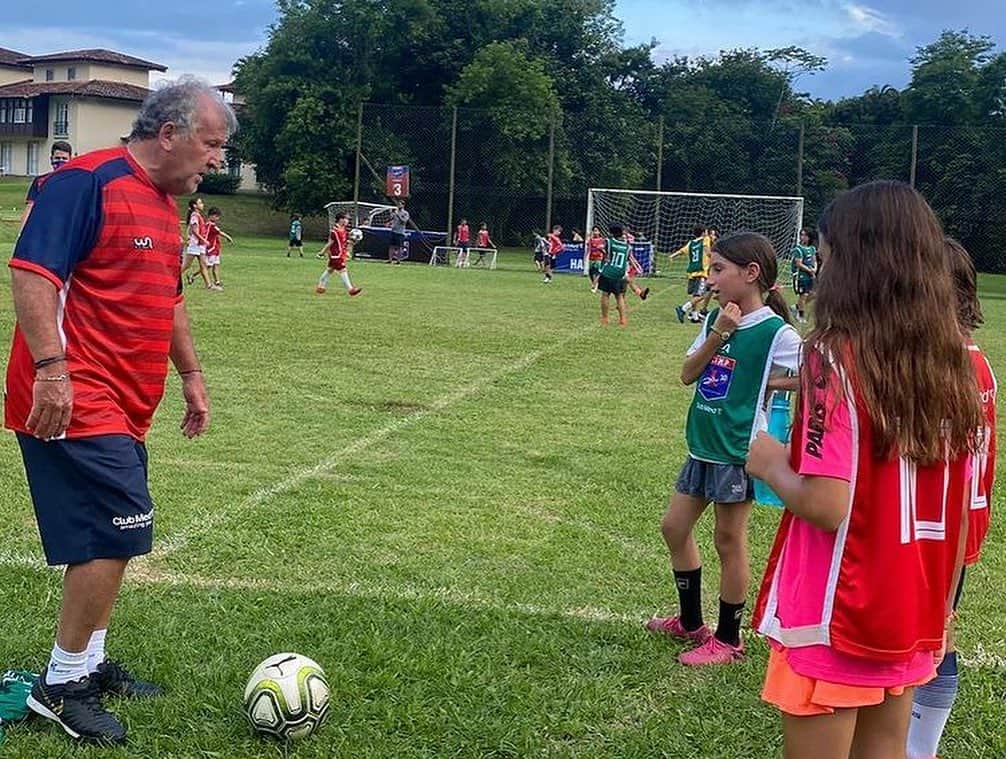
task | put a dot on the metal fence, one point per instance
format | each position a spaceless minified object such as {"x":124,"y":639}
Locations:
{"x":465,"y":165}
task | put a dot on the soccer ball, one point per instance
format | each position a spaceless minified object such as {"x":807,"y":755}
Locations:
{"x":287,"y":697}
{"x":356,"y":235}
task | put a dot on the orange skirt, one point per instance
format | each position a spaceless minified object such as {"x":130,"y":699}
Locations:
{"x":801,"y":696}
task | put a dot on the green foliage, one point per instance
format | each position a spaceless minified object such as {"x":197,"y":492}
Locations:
{"x":219,"y":183}
{"x":515,"y":68}
{"x":945,"y":79}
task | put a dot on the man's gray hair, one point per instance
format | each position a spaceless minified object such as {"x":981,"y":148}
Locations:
{"x":178,"y":102}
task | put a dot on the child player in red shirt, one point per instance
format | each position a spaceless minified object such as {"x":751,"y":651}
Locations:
{"x":857,"y":593}
{"x":483,"y":242}
{"x":213,"y":235}
{"x":338,"y":249}
{"x":933,"y":701}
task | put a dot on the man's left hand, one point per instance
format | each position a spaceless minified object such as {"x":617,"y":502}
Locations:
{"x":197,"y":405}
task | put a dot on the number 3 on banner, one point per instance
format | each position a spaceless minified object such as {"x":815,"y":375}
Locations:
{"x":925,"y":520}
{"x":397,"y":189}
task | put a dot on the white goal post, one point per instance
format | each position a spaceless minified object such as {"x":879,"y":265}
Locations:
{"x":360,"y":214}
{"x":667,"y":219}
{"x":442,"y":255}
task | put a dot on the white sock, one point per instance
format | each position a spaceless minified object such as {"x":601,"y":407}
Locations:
{"x":95,"y":650}
{"x":931,"y":706}
{"x":65,"y":666}
{"x":686,"y":306}
{"x":323,"y":282}
{"x":344,"y":276}
{"x":926,"y":729}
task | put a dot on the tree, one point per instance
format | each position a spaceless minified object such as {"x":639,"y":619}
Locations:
{"x":945,"y":79}
{"x":323,"y":58}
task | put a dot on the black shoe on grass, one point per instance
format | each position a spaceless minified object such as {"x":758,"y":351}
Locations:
{"x":77,"y":708}
{"x":112,"y":679}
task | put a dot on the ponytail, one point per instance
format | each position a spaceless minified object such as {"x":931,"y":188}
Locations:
{"x":775,"y":301}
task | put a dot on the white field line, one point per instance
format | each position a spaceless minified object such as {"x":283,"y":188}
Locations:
{"x":207,"y":521}
{"x":141,"y":572}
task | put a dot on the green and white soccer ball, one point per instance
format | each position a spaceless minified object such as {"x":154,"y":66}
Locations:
{"x":287,"y":697}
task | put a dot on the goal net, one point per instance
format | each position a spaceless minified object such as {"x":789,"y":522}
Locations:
{"x":360,"y":214}
{"x":667,"y":219}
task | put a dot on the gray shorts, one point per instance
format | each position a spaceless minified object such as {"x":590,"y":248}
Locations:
{"x":719,"y":483}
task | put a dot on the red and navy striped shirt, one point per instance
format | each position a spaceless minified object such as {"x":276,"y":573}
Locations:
{"x":107,"y":238}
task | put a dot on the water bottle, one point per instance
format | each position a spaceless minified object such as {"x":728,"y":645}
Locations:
{"x":778,"y":427}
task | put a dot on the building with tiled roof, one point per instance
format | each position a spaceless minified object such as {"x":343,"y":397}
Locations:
{"x":12,"y":69}
{"x":88,"y":98}
{"x":98,"y":56}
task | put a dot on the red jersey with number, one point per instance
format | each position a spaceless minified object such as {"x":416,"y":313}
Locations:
{"x":984,"y":462}
{"x":339,"y":237}
{"x":464,"y":235}
{"x":107,"y":239}
{"x":212,"y":239}
{"x":554,"y":244}
{"x":483,"y":241}
{"x":877,"y":587}
{"x":595,"y":249}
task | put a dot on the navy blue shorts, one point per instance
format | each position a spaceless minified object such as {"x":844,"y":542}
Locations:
{"x":91,"y":498}
{"x":719,"y":483}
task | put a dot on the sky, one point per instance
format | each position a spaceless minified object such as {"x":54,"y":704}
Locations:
{"x":866,"y":42}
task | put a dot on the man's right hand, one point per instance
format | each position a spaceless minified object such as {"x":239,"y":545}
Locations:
{"x":52,"y":403}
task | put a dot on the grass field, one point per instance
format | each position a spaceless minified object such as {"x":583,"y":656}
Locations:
{"x":447,"y":492}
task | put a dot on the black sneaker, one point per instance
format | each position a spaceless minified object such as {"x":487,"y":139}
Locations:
{"x":112,"y":679}
{"x":644,"y":294}
{"x":76,"y":707}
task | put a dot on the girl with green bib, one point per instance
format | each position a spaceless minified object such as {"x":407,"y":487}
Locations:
{"x":745,"y":349}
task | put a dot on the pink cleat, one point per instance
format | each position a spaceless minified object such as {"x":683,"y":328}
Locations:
{"x":672,"y":626}
{"x":713,"y":651}
{"x":355,"y":290}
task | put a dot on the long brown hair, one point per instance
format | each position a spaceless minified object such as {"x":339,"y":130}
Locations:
{"x":750,"y":247}
{"x":885,"y":283}
{"x":962,"y":269}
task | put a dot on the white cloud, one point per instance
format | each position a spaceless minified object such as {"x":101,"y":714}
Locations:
{"x":211,"y":60}
{"x":208,"y":59}
{"x":867,"y":19}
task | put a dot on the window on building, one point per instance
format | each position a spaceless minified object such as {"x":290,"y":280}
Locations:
{"x":30,"y":116}
{"x":71,"y":73}
{"x":5,"y":111}
{"x":32,"y":159}
{"x":6,"y":156}
{"x":49,"y":75}
{"x":20,"y":111}
{"x":61,"y":127}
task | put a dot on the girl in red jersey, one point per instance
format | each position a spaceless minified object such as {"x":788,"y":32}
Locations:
{"x":338,"y":250}
{"x":554,"y":249}
{"x":933,"y":701}
{"x":857,"y":591}
{"x":595,"y":254}
{"x":196,"y":250}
